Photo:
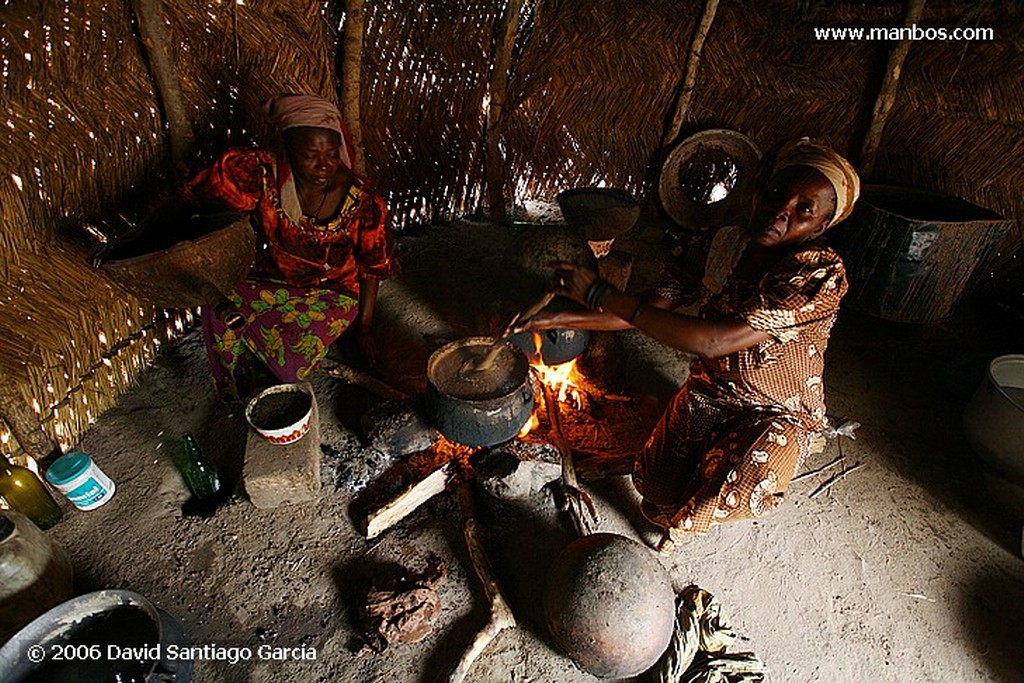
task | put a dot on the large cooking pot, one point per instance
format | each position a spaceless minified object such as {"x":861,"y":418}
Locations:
{"x":98,"y":625}
{"x":478,"y":408}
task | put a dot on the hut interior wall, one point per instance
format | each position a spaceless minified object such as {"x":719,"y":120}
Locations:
{"x":592,"y":84}
{"x":76,"y":142}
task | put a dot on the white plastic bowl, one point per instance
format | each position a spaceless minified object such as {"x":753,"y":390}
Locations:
{"x":994,"y":418}
{"x":275,"y":431}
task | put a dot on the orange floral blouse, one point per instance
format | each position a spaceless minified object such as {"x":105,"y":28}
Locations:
{"x":355,"y":244}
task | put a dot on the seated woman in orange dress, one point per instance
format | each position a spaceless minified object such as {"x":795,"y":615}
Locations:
{"x":323,"y":246}
{"x":767,"y":296}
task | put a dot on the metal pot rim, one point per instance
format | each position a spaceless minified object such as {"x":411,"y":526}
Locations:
{"x":440,"y":353}
{"x":1009,"y":359}
{"x":49,"y":625}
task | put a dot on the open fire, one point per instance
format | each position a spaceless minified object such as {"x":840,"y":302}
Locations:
{"x":564,"y":381}
{"x":603,"y":428}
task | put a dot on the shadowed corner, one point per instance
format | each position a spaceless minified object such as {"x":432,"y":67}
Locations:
{"x":991,"y":610}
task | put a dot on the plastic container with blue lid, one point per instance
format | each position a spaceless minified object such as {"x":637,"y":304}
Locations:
{"x":80,"y":480}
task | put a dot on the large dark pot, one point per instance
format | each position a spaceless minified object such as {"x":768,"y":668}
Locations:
{"x":478,"y":409}
{"x":98,"y":625}
{"x":911,"y":255}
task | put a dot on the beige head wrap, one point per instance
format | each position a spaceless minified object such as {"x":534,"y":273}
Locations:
{"x":293,"y":111}
{"x":839,"y":171}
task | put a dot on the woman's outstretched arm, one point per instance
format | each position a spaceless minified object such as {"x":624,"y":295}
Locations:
{"x":620,"y":311}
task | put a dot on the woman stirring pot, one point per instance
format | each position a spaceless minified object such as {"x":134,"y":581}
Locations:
{"x":768,"y":293}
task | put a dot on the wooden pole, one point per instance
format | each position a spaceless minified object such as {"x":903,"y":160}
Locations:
{"x":23,"y":423}
{"x":352,"y":77}
{"x":494,"y":163}
{"x":887,"y":94}
{"x":690,"y":73}
{"x":149,"y":14}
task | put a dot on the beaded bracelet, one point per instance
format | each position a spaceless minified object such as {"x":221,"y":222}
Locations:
{"x":596,"y":293}
{"x":636,"y":313}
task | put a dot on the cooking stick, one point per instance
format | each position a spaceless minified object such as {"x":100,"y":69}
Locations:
{"x":581,"y":509}
{"x":485,"y":362}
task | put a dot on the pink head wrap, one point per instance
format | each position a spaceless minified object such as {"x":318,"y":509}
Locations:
{"x":294,"y":111}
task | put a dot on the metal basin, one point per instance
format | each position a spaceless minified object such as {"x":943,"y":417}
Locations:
{"x":994,"y":418}
{"x":105,"y":622}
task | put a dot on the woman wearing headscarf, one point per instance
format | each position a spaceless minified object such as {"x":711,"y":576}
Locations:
{"x":323,"y":246}
{"x":767,"y":295}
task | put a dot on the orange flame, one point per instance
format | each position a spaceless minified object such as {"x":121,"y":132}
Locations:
{"x":530,"y":425}
{"x":564,"y":378}
{"x":451,"y":449}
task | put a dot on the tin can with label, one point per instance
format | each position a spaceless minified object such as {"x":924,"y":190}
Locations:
{"x":80,"y":480}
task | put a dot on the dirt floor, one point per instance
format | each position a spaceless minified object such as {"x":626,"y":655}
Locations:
{"x":907,"y":569}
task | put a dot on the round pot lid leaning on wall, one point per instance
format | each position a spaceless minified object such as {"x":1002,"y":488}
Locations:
{"x":708,"y":179}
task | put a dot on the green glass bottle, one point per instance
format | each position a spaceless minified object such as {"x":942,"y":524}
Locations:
{"x":27,"y":494}
{"x":198,"y":473}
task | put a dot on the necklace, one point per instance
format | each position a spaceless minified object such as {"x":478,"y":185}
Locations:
{"x":323,"y":200}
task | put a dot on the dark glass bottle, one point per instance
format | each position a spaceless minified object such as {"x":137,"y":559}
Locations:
{"x":196,"y":469}
{"x":27,"y":494}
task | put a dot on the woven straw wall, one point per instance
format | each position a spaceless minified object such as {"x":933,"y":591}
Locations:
{"x":589,"y":92}
{"x":71,"y":342}
{"x":591,"y":86}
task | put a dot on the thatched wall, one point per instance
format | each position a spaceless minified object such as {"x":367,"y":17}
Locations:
{"x":70,"y":341}
{"x":591,"y":87}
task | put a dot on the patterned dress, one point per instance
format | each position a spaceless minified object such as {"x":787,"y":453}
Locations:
{"x":303,"y":291}
{"x":733,"y":436}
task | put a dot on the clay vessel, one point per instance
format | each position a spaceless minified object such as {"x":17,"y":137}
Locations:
{"x":609,"y":605}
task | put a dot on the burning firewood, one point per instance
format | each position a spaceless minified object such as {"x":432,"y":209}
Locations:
{"x":577,"y":501}
{"x":408,"y":484}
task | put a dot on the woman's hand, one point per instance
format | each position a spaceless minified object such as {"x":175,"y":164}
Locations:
{"x":572,"y":281}
{"x":367,"y":347}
